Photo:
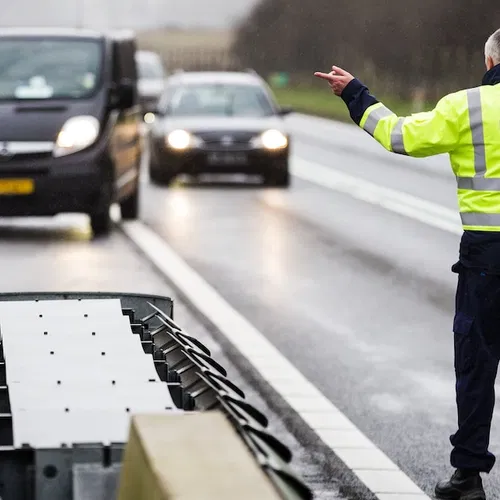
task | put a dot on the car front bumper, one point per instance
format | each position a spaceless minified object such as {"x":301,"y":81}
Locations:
{"x":221,"y":160}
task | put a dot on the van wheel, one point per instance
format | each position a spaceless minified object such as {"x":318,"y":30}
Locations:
{"x":130,"y":206}
{"x":101,"y":223}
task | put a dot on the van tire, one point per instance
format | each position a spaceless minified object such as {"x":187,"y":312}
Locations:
{"x":130,"y":206}
{"x":101,"y":223}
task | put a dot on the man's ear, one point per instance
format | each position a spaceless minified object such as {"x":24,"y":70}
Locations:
{"x":489,"y":63}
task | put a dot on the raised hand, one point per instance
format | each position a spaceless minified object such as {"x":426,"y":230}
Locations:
{"x":337,"y":79}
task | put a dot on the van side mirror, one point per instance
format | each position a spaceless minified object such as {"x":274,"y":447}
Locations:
{"x":126,"y":94}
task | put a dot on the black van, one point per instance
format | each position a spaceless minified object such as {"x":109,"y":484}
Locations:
{"x":69,"y":124}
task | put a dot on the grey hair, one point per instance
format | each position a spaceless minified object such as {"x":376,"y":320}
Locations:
{"x":492,"y":48}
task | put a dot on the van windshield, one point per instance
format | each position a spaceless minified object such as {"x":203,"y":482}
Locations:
{"x":36,"y":68}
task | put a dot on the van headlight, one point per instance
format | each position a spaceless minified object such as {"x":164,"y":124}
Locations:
{"x":78,"y":133}
{"x":181,"y":139}
{"x":270,"y":139}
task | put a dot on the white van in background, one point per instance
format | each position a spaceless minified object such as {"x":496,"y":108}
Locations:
{"x":152,"y":75}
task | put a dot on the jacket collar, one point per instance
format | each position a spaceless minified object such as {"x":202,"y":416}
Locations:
{"x":492,"y":77}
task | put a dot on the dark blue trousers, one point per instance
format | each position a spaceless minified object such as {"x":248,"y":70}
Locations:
{"x":477,"y":353}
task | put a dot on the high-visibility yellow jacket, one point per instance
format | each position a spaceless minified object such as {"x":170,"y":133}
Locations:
{"x":465,"y":124}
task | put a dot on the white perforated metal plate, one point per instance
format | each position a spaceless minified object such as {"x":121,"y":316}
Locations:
{"x":76,"y":372}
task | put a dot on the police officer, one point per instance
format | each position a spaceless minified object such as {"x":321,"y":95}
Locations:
{"x":466,"y":125}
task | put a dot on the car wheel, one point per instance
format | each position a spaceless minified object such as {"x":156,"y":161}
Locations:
{"x":130,"y":206}
{"x":278,"y":179}
{"x":161,"y":178}
{"x":100,"y":223}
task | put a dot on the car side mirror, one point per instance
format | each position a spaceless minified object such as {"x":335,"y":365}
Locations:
{"x":285,"y":110}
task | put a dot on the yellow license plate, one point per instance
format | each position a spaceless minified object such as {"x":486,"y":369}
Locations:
{"x":16,"y":186}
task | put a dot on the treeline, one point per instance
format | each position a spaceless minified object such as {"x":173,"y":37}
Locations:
{"x":406,"y":44}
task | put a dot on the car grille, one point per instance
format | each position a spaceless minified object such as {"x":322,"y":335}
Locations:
{"x":219,"y":140}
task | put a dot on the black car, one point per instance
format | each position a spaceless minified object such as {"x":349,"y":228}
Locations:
{"x":219,"y":122}
{"x":69,"y":124}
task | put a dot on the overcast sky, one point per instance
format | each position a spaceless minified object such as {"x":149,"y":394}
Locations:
{"x":123,"y":13}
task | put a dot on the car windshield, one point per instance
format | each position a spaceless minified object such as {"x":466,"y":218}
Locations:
{"x":218,"y":100}
{"x":149,"y":69}
{"x":49,"y":68}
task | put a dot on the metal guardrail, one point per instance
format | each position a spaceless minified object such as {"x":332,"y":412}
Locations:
{"x":204,"y":385}
{"x":196,"y":382}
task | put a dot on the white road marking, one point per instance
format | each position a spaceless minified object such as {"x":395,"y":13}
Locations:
{"x":336,"y":134}
{"x":369,"y":463}
{"x":401,"y":203}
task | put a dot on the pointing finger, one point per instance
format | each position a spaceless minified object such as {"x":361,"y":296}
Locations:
{"x":325,"y":76}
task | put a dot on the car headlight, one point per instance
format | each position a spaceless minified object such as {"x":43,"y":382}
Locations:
{"x":181,"y":139}
{"x":271,"y":139}
{"x":78,"y":133}
{"x":149,"y":118}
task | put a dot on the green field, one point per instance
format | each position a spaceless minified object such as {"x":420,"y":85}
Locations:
{"x":324,"y":103}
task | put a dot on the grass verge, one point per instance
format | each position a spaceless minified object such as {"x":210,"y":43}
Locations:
{"x":319,"y":102}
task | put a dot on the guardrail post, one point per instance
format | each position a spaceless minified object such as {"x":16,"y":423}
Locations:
{"x":190,"y":456}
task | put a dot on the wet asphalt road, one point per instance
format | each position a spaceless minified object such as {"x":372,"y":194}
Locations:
{"x":360,"y":299}
{"x":59,"y":255}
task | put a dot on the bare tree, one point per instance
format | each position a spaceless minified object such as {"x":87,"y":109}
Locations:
{"x":415,"y":41}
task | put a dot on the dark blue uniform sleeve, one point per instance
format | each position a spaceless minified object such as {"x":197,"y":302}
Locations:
{"x":358,"y":99}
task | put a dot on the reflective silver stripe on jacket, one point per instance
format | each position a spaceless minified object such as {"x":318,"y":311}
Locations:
{"x":479,"y":183}
{"x":480,"y":219}
{"x":374,"y":118}
{"x":397,"y":143}
{"x":476,"y":126}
